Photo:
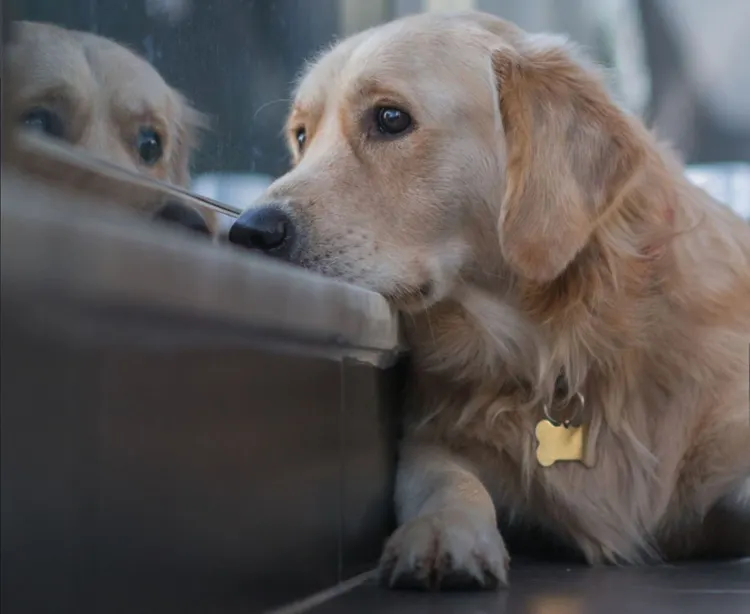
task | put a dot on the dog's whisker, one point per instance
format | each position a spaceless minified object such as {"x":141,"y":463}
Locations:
{"x":267,"y":104}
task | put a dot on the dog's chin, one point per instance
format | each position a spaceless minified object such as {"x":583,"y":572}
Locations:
{"x":414,"y":300}
{"x":411,"y":298}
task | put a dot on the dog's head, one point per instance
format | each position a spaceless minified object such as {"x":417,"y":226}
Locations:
{"x":439,"y":149}
{"x":95,"y":94}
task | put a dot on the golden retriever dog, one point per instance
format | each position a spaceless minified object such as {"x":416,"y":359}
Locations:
{"x":101,"y":97}
{"x":578,"y":312}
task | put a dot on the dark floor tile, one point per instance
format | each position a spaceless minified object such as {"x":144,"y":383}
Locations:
{"x":711,"y":588}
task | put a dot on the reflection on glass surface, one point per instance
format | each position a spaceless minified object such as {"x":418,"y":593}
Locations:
{"x":237,"y":60}
{"x":234,"y":60}
{"x":91,"y":92}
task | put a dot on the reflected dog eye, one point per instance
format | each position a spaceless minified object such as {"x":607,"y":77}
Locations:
{"x":391,"y":121}
{"x":45,"y":121}
{"x":300,"y":136}
{"x":149,"y":146}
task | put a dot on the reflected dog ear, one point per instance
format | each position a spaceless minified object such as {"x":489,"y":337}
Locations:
{"x":571,"y":154}
{"x":187,"y":123}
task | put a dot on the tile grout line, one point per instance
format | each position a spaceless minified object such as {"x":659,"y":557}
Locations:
{"x":306,"y":604}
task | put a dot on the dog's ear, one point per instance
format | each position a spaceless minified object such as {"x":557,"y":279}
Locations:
{"x":186,"y":126}
{"x":570,"y":155}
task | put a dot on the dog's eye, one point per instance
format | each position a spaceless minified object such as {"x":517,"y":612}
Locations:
{"x":392,"y":121}
{"x":45,"y":121}
{"x":300,"y":136}
{"x":149,"y":145}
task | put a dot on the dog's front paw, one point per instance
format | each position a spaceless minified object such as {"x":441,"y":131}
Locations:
{"x":445,"y":550}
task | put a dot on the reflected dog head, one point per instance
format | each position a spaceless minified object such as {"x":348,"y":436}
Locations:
{"x":95,"y":94}
{"x":99,"y":96}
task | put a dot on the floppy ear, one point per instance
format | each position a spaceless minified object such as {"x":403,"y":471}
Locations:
{"x":186,"y":124}
{"x":571,"y":154}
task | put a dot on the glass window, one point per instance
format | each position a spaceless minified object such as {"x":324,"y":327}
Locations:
{"x":235,"y":62}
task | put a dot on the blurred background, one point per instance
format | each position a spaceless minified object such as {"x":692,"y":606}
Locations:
{"x":680,"y":64}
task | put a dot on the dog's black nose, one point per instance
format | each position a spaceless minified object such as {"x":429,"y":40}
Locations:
{"x":267,"y":229}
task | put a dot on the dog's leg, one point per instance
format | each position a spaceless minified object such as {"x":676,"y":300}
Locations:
{"x":740,"y":499}
{"x":726,"y":530}
{"x":448,"y":536}
{"x":738,"y":504}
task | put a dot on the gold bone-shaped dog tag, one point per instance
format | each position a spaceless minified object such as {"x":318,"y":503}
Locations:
{"x":559,"y":443}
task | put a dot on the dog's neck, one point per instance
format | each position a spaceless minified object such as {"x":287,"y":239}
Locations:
{"x":480,"y":338}
{"x":487,"y":335}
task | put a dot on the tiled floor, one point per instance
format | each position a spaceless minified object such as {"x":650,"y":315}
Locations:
{"x":718,"y":588}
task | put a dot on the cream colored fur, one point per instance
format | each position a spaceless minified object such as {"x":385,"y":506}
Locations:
{"x":526,"y":226}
